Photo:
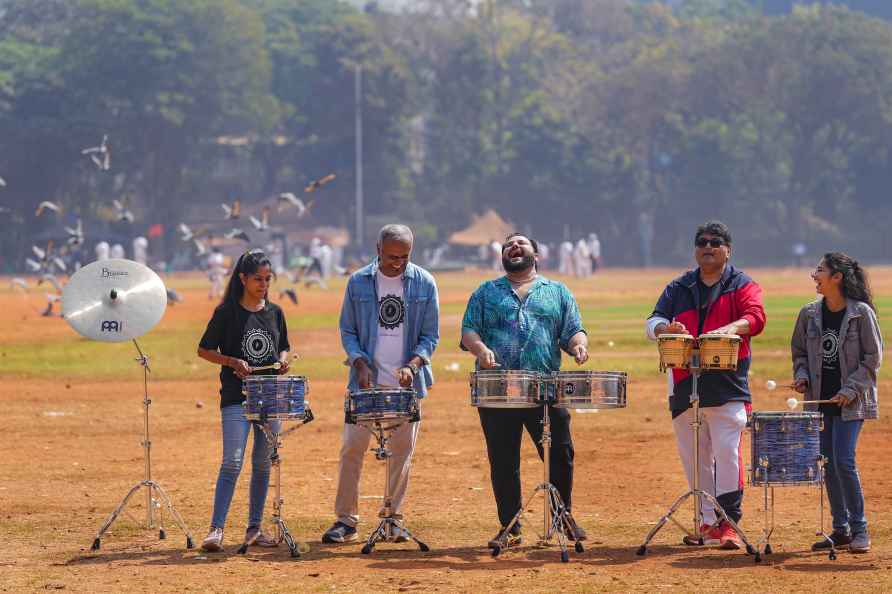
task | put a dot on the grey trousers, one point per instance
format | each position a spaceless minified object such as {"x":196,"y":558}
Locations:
{"x":354,"y":445}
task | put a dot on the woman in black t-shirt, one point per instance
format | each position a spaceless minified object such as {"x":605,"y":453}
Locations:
{"x":246,"y":331}
{"x":837,"y":350}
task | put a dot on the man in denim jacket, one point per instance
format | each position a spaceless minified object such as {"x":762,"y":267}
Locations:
{"x":389,"y":330}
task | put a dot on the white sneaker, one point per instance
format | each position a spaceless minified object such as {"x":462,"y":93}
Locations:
{"x":213,"y":542}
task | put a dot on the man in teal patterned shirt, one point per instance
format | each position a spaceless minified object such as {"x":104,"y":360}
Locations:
{"x":522,"y":321}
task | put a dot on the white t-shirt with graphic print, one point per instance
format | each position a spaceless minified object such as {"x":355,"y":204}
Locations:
{"x":391,"y":326}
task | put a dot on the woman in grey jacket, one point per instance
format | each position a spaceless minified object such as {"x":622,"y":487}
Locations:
{"x":837,"y":350}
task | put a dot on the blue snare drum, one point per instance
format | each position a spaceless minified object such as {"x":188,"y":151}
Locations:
{"x":786,"y":448}
{"x":380,"y":404}
{"x":275,"y":397}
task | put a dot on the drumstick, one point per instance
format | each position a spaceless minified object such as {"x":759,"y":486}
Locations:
{"x":772,"y":385}
{"x":793,"y":403}
{"x":275,"y":365}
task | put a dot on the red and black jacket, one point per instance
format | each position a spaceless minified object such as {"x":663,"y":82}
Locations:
{"x":737,"y":296}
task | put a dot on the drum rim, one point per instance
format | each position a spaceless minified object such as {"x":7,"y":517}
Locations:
{"x":682,"y":337}
{"x":271,"y":377}
{"x":506,"y":373}
{"x":778,"y":414}
{"x":714,"y":337}
{"x":558,"y":375}
{"x":375,"y":391}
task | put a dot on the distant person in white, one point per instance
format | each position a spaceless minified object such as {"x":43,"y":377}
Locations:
{"x":565,"y":265}
{"x":102,"y":251}
{"x":216,"y":273}
{"x":140,"y":250}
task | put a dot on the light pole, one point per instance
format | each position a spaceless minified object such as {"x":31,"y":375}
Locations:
{"x":360,"y":239}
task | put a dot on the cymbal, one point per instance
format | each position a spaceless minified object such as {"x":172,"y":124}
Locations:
{"x":113,"y":300}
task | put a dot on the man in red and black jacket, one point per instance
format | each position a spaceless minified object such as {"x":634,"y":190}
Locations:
{"x":715,"y":298}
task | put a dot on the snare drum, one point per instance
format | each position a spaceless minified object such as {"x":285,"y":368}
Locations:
{"x":719,"y":351}
{"x":380,"y":405}
{"x":675,"y":351}
{"x":785,"y":448}
{"x":506,"y":388}
{"x":589,"y":389}
{"x":275,"y":397}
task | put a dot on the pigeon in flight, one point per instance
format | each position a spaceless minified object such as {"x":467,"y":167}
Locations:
{"x":263,"y":223}
{"x":200,"y":247}
{"x":288,"y":200}
{"x":234,"y":211}
{"x":18,"y":283}
{"x":51,"y":279}
{"x":318,"y":183}
{"x":290,"y":293}
{"x":173,"y":297}
{"x":100,"y":155}
{"x":237,"y":234}
{"x":47,"y":205}
{"x":122,"y":213}
{"x":75,"y":235}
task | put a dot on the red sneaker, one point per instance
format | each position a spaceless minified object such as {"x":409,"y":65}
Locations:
{"x":729,"y":537}
{"x":711,"y":536}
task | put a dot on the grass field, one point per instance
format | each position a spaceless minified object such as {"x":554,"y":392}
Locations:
{"x":72,"y":450}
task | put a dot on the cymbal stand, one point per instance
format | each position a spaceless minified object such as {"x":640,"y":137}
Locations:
{"x":695,"y":491}
{"x":151,"y":486}
{"x":390,"y":527}
{"x":272,"y":432}
{"x":558,"y":522}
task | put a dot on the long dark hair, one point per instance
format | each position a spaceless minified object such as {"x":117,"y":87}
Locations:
{"x":854,"y":283}
{"x":248,"y":263}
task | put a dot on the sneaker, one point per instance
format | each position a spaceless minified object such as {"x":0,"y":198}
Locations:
{"x":729,"y":538}
{"x":860,"y":542}
{"x":574,"y":531}
{"x":712,"y":535}
{"x":340,"y":532}
{"x":504,"y":540}
{"x":841,"y":540}
{"x":255,"y":536}
{"x":213,"y":542}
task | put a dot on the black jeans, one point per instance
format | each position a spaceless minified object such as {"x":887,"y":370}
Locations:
{"x":503,"y":429}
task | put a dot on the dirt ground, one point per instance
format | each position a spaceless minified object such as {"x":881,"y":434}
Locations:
{"x":71,"y":451}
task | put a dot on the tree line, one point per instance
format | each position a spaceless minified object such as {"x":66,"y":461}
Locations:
{"x":565,"y":116}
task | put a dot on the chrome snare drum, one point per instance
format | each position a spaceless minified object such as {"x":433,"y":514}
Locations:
{"x":380,"y":405}
{"x":785,"y":448}
{"x":675,"y":351}
{"x":506,"y":388}
{"x":275,"y":397}
{"x":719,"y":351}
{"x":589,"y":389}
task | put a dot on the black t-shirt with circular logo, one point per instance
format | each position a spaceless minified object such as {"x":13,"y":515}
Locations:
{"x":255,"y":336}
{"x":831,"y":381}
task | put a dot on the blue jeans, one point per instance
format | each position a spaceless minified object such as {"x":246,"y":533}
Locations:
{"x":838,"y":441}
{"x":235,"y":436}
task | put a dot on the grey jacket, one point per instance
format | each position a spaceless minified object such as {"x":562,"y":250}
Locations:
{"x":860,"y":355}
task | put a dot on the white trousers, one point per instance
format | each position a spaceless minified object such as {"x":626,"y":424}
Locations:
{"x":355,"y":443}
{"x":721,"y":464}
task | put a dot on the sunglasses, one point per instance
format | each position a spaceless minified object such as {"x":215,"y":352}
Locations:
{"x":715,"y":242}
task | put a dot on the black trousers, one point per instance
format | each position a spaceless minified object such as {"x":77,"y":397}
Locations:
{"x":503,"y":430}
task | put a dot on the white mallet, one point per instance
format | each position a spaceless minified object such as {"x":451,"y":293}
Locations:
{"x":772,"y":385}
{"x":793,"y":403}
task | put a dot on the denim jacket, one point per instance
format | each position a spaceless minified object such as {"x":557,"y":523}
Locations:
{"x":359,"y":321}
{"x":860,"y":355}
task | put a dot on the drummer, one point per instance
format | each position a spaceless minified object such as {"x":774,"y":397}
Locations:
{"x":522,"y":321}
{"x":715,"y":298}
{"x":390,"y":326}
{"x":246,"y":331}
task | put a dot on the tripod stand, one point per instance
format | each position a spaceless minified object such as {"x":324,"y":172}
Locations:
{"x":390,"y":529}
{"x":151,"y":486}
{"x":557,"y":518}
{"x":274,"y":439}
{"x":695,"y":490}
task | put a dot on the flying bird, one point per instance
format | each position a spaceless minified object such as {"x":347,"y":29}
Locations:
{"x":200,"y":247}
{"x":100,"y":155}
{"x":237,"y":234}
{"x":122,"y":213}
{"x":173,"y":297}
{"x":185,"y":232}
{"x":51,"y":279}
{"x":75,"y":235}
{"x":32,"y":265}
{"x":18,"y":283}
{"x":316,"y":184}
{"x":290,"y":293}
{"x":47,"y":205}
{"x":234,"y":211}
{"x":263,"y":223}
{"x":288,"y":200}
{"x":2,"y":183}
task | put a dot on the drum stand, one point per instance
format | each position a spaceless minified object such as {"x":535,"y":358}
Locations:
{"x":768,"y":523}
{"x":696,"y":491}
{"x":557,"y":518}
{"x":150,"y":485}
{"x":274,"y":440}
{"x":390,"y":528}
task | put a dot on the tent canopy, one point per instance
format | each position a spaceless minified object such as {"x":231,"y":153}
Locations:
{"x":484,"y":229}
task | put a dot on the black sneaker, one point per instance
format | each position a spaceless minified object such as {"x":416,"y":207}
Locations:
{"x":340,"y":532}
{"x":841,"y":540}
{"x":575,"y":531}
{"x":503,"y":540}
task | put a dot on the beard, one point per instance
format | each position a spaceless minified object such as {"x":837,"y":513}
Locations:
{"x":526,"y":263}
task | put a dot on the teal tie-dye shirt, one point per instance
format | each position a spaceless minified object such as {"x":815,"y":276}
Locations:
{"x":526,"y":334}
